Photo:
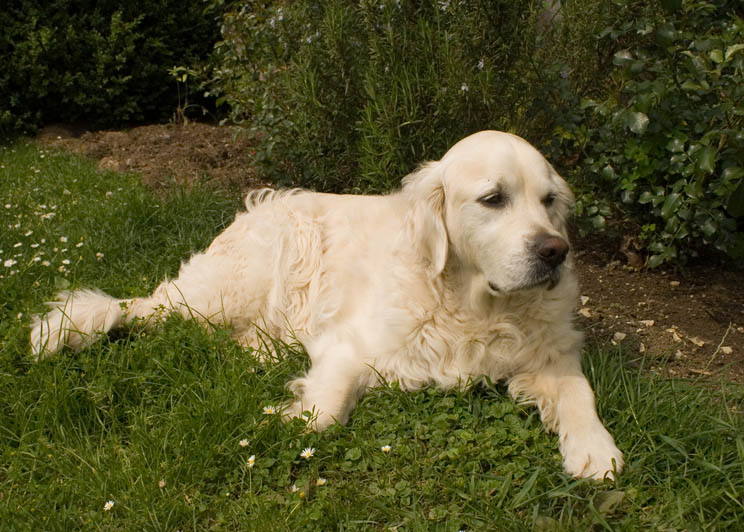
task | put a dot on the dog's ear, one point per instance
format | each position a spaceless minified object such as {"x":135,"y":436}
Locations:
{"x":565,"y":203}
{"x":425,"y":224}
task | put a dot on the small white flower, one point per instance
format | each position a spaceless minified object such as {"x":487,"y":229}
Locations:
{"x":63,"y":239}
{"x":99,"y":255}
{"x":34,"y":246}
{"x":108,"y":505}
{"x":161,"y":484}
{"x":481,"y":64}
{"x":17,"y":245}
{"x":28,"y":233}
{"x":269,"y":410}
{"x":293,"y":488}
{"x":46,"y":263}
{"x":385,"y":449}
{"x":464,"y":87}
{"x":79,"y":245}
{"x":243,"y":443}
{"x":307,"y":453}
{"x":66,"y":261}
{"x":251,"y":461}
{"x":321,"y":481}
{"x":10,"y":262}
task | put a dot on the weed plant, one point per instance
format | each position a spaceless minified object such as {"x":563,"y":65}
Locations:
{"x":175,"y":430}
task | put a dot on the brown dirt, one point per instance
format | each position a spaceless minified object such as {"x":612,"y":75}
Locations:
{"x":686,"y":326}
{"x":164,"y":154}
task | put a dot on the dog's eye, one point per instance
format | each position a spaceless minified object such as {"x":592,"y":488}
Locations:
{"x":495,"y":199}
{"x":549,"y":199}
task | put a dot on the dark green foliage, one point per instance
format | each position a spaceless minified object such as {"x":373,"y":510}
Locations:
{"x":352,"y":97}
{"x":103,"y":62}
{"x":668,"y":145}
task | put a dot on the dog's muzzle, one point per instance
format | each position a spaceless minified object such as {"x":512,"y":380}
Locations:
{"x":548,"y":252}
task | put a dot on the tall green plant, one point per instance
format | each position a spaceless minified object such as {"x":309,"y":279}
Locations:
{"x":352,"y":97}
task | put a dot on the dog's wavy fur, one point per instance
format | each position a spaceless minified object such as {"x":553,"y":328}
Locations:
{"x":438,"y":283}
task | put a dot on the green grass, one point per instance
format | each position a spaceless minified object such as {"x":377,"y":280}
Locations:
{"x":153,"y":421}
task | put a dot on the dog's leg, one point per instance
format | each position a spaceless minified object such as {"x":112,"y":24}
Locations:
{"x":566,"y":403}
{"x":331,"y":387}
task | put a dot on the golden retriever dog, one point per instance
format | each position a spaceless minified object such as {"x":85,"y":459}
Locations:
{"x":465,"y":271}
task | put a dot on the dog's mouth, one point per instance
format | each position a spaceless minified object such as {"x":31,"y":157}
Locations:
{"x":547,"y":281}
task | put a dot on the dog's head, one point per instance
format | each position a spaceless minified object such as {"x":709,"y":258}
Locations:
{"x":497,"y":207}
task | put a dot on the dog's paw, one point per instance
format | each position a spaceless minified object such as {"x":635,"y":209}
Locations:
{"x":316,"y":420}
{"x":592,"y":454}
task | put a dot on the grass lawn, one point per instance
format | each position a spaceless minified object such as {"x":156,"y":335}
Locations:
{"x":167,"y":430}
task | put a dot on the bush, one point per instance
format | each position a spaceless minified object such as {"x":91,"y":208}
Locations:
{"x":103,"y":62}
{"x":669,"y":145}
{"x":352,"y":97}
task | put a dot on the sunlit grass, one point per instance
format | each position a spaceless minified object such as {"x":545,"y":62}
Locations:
{"x":173,"y":430}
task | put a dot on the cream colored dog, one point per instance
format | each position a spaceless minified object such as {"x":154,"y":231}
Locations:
{"x":464,"y":272}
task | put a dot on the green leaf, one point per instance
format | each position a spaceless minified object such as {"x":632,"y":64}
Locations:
{"x":731,"y":50}
{"x":691,"y":86}
{"x":707,"y":159}
{"x":671,"y":204}
{"x":733,"y":173}
{"x":709,"y":227}
{"x":60,"y":283}
{"x":607,"y":502}
{"x":353,"y":454}
{"x":716,"y":55}
{"x":676,"y":145}
{"x":655,"y":260}
{"x":666,"y":34}
{"x":646,"y":197}
{"x":637,"y":122}
{"x":735,"y":206}
{"x":622,"y":58}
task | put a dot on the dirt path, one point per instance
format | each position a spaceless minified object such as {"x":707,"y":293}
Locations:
{"x":688,"y":327}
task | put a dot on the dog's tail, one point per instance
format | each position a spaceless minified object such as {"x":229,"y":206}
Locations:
{"x":78,"y":319}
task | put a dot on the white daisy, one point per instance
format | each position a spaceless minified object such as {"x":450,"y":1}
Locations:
{"x":269,"y":410}
{"x":243,"y":443}
{"x":385,"y":449}
{"x":307,"y":453}
{"x":108,"y":505}
{"x":251,"y":461}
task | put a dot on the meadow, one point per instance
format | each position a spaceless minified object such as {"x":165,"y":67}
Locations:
{"x":176,"y":429}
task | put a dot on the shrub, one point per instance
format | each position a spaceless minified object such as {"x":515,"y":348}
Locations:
{"x":668,"y":145}
{"x":352,"y":97}
{"x":103,"y":62}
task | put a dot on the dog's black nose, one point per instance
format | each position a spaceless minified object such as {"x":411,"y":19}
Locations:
{"x":551,"y":249}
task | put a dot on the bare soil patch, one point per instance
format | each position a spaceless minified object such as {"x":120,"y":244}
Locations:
{"x":165,"y":154}
{"x":689,"y":326}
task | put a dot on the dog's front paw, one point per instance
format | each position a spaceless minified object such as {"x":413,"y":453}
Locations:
{"x":592,"y":454}
{"x":316,"y":420}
